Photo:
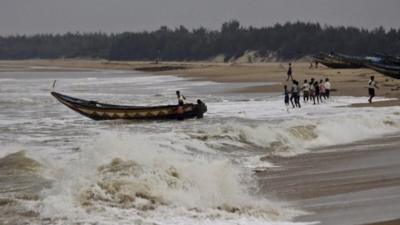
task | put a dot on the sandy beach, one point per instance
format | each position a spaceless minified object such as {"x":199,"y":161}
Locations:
{"x":345,"y":82}
{"x":357,"y":183}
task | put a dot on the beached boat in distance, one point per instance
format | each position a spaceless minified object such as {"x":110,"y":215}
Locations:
{"x":384,"y":64}
{"x":335,"y":61}
{"x":388,"y":70}
{"x":389,"y":59}
{"x":100,"y":111}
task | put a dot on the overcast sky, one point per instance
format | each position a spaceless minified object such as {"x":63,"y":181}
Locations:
{"x":60,"y":16}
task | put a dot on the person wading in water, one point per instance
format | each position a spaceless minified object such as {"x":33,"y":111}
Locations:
{"x":306,"y":91}
{"x":295,"y":94}
{"x":316,"y":88}
{"x":201,"y":109}
{"x":312,"y":90}
{"x":327,"y":88}
{"x":286,"y":93}
{"x":321,"y":90}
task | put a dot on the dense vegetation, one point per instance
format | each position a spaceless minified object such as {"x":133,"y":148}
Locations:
{"x":288,"y":41}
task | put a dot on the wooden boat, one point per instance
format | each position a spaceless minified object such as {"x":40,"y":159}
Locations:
{"x":100,"y":111}
{"x":337,"y":61}
{"x":389,"y":59}
{"x":388,"y":70}
{"x":356,"y":61}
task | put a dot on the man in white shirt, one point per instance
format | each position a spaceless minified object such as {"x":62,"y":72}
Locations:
{"x":371,"y":88}
{"x":327,"y":88}
{"x":306,"y":91}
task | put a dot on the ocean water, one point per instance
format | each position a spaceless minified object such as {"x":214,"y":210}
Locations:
{"x":58,"y":167}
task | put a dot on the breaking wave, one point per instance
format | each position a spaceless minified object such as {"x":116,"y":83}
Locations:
{"x":299,"y":135}
{"x":185,"y":177}
{"x":131,"y":177}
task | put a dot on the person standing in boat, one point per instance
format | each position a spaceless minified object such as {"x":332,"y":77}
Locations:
{"x":179,"y":111}
{"x":180,"y":97}
{"x":289,"y":72}
{"x":371,"y":88}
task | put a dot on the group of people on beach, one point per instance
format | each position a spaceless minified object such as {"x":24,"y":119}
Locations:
{"x":315,"y":91}
{"x":312,"y":90}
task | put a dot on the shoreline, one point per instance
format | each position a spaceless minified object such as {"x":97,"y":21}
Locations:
{"x":345,"y":82}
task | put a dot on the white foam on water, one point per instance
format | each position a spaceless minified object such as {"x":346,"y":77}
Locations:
{"x":274,"y":108}
{"x":6,"y":149}
{"x":255,"y":163}
{"x":298,"y":134}
{"x":123,"y":178}
{"x":267,"y":125}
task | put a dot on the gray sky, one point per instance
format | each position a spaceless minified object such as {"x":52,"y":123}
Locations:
{"x":60,"y":16}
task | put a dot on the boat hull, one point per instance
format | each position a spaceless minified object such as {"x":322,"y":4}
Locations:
{"x":388,"y":70}
{"x":99,"y":111}
{"x":337,"y":61}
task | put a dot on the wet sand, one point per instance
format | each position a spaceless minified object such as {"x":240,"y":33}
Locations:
{"x":391,"y":222}
{"x":357,"y":183}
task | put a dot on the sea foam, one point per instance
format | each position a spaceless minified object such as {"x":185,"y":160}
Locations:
{"x":120,"y":173}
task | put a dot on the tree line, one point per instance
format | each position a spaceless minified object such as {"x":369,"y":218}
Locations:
{"x":284,"y":41}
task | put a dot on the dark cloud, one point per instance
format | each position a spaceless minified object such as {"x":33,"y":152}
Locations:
{"x":60,"y":16}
